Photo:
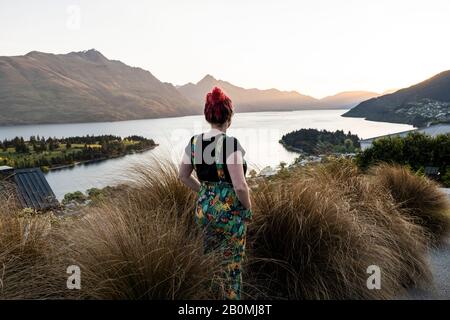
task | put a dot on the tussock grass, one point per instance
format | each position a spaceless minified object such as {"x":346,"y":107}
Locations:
{"x":9,"y":204}
{"x":27,"y":258}
{"x":418,"y":197}
{"x":141,"y":245}
{"x":315,"y":238}
{"x":156,"y":186}
{"x":315,"y":232}
{"x":130,"y":254}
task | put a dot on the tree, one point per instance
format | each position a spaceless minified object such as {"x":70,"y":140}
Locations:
{"x":416,"y":151}
{"x":53,"y":144}
{"x":348,"y":143}
{"x":21,"y":146}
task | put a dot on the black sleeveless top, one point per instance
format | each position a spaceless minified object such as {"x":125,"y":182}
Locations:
{"x":205,"y":162}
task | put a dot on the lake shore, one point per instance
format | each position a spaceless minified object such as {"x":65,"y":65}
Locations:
{"x":78,"y":163}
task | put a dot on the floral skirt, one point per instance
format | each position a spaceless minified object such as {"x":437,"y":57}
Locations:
{"x":223,"y":220}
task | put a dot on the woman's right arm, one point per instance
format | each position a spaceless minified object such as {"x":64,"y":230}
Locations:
{"x":185,"y":174}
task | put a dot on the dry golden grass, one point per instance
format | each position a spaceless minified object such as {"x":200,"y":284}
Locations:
{"x":134,"y":254}
{"x":310,"y":240}
{"x":314,"y":234}
{"x":27,"y":260}
{"x":156,"y":185}
{"x":418,"y":197}
{"x":141,"y":245}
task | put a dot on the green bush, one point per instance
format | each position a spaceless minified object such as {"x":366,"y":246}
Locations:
{"x":446,"y":178}
{"x":415,"y":151}
{"x":77,"y":196}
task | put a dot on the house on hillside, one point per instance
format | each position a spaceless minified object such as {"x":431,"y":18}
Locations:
{"x":31,"y":187}
{"x":431,"y":130}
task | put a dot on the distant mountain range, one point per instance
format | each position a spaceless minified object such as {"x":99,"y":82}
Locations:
{"x":82,"y":87}
{"x":428,"y":101}
{"x":87,"y":87}
{"x":250,"y":100}
{"x":347,"y":99}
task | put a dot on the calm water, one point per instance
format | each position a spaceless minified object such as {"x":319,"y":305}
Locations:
{"x":258,"y":133}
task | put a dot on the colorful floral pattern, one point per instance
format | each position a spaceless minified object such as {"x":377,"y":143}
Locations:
{"x":223,"y":220}
{"x":224,"y":223}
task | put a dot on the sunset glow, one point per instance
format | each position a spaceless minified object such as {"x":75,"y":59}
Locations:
{"x":318,"y":47}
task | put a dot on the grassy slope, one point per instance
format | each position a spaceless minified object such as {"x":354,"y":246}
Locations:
{"x":315,"y":232}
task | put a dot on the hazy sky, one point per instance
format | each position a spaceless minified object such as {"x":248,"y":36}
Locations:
{"x":317,"y":47}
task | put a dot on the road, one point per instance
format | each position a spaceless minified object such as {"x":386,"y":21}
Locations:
{"x":440,"y":266}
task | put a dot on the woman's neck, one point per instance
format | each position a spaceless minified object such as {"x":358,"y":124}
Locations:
{"x":221,"y":129}
{"x":214,"y":131}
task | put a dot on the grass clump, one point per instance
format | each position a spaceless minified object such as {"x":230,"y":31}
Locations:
{"x":418,"y":197}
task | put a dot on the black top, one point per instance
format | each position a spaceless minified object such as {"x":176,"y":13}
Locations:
{"x":205,"y":164}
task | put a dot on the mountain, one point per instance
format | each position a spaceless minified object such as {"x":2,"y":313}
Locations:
{"x":82,"y":87}
{"x":249,"y":100}
{"x":428,"y":101}
{"x":347,"y":99}
{"x":87,"y":87}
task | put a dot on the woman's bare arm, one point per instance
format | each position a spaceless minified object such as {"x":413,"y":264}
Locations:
{"x":236,"y":170}
{"x":185,"y":174}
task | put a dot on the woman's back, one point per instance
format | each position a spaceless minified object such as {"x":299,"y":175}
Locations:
{"x":202,"y":149}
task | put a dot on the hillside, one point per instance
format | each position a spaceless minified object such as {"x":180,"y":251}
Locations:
{"x":87,"y":87}
{"x":425,"y":102}
{"x":347,"y":99}
{"x":81,"y":87}
{"x":249,"y":100}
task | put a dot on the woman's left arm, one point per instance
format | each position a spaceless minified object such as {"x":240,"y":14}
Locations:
{"x":235,"y":167}
{"x":185,"y":174}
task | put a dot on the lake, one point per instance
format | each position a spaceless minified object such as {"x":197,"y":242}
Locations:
{"x":258,"y":132}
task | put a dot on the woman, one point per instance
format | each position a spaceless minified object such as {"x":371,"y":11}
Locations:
{"x":223,"y":205}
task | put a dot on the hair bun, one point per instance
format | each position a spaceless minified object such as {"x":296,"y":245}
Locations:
{"x":217,"y":95}
{"x":218,"y":107}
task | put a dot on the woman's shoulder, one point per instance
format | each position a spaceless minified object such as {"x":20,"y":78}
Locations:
{"x":233,"y":144}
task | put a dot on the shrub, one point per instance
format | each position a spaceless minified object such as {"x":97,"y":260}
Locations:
{"x":76,"y":196}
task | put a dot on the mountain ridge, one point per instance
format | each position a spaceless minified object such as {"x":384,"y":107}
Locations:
{"x":86,"y":86}
{"x":82,"y":87}
{"x":252,"y":99}
{"x":419,"y":104}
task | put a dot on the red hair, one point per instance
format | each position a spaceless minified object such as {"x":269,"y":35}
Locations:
{"x":218,"y":107}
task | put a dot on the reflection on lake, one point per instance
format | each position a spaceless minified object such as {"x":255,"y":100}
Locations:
{"x":258,"y":132}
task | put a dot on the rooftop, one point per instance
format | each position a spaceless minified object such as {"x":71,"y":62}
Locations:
{"x":33,"y":189}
